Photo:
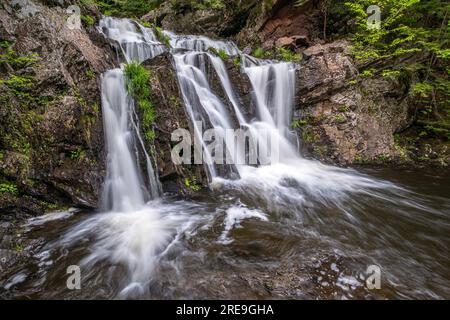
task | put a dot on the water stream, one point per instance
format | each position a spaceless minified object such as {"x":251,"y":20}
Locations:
{"x":292,"y":227}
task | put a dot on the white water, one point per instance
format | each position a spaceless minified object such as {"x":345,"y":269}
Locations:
{"x":136,"y":42}
{"x":122,"y":189}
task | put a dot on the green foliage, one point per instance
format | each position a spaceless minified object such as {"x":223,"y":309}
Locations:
{"x":90,"y":74}
{"x":422,"y":89}
{"x":77,"y":154}
{"x":181,"y":5}
{"x":282,"y":54}
{"x":138,"y":87}
{"x":299,"y":123}
{"x":391,"y":73}
{"x":123,"y":8}
{"x":414,"y":38}
{"x":95,"y":108}
{"x":8,"y":187}
{"x":340,"y":118}
{"x":308,"y":136}
{"x":288,"y":55}
{"x":383,"y":158}
{"x":13,"y":59}
{"x":161,"y":36}
{"x":222,"y":54}
{"x":344,"y":108}
{"x":192,"y":184}
{"x":87,"y":20}
{"x":260,"y":53}
{"x":237,"y":62}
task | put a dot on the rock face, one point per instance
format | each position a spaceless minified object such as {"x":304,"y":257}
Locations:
{"x":188,"y":17}
{"x":270,"y":23}
{"x":341,"y":119}
{"x":51,"y":133}
{"x":170,"y":116}
{"x":283,"y":24}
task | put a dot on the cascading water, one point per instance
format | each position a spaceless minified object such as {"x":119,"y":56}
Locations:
{"x":289,"y":212}
{"x":122,"y":190}
{"x":136,"y":42}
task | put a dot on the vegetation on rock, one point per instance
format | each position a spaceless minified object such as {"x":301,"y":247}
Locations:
{"x":138,"y":86}
{"x":412,"y":44}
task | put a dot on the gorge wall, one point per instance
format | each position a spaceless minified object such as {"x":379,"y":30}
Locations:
{"x":51,"y":134}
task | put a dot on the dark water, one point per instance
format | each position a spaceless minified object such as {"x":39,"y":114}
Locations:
{"x":232,"y":244}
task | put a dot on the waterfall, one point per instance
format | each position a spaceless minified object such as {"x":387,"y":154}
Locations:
{"x":301,"y":216}
{"x":136,"y":42}
{"x":124,"y":188}
{"x":273,"y":87}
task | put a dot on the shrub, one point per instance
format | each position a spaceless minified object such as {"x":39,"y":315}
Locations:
{"x":138,"y":87}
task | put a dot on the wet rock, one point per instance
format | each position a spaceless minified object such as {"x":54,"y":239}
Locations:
{"x":282,"y":24}
{"x":285,"y":42}
{"x":170,"y":116}
{"x":189,"y":18}
{"x":346,"y":120}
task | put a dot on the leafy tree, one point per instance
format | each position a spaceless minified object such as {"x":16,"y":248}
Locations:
{"x":412,"y":42}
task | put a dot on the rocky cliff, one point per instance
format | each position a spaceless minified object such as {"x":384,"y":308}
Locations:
{"x":51,"y":136}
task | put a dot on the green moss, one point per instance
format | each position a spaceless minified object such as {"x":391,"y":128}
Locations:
{"x":95,"y":108}
{"x":299,"y":123}
{"x":77,"y":154}
{"x":87,"y":20}
{"x":90,"y":74}
{"x":159,"y":33}
{"x":222,"y":54}
{"x":383,"y":158}
{"x":390,"y":73}
{"x":367,"y":73}
{"x":192,"y":184}
{"x":237,"y":62}
{"x":344,"y":108}
{"x":282,"y":54}
{"x":138,"y":87}
{"x":8,"y":187}
{"x":260,"y":53}
{"x":309,"y":136}
{"x":16,"y":61}
{"x":287,"y":55}
{"x":19,"y":247}
{"x":146,"y":24}
{"x":320,"y":150}
{"x":360,"y":159}
{"x":174,"y":102}
{"x":340,"y":118}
